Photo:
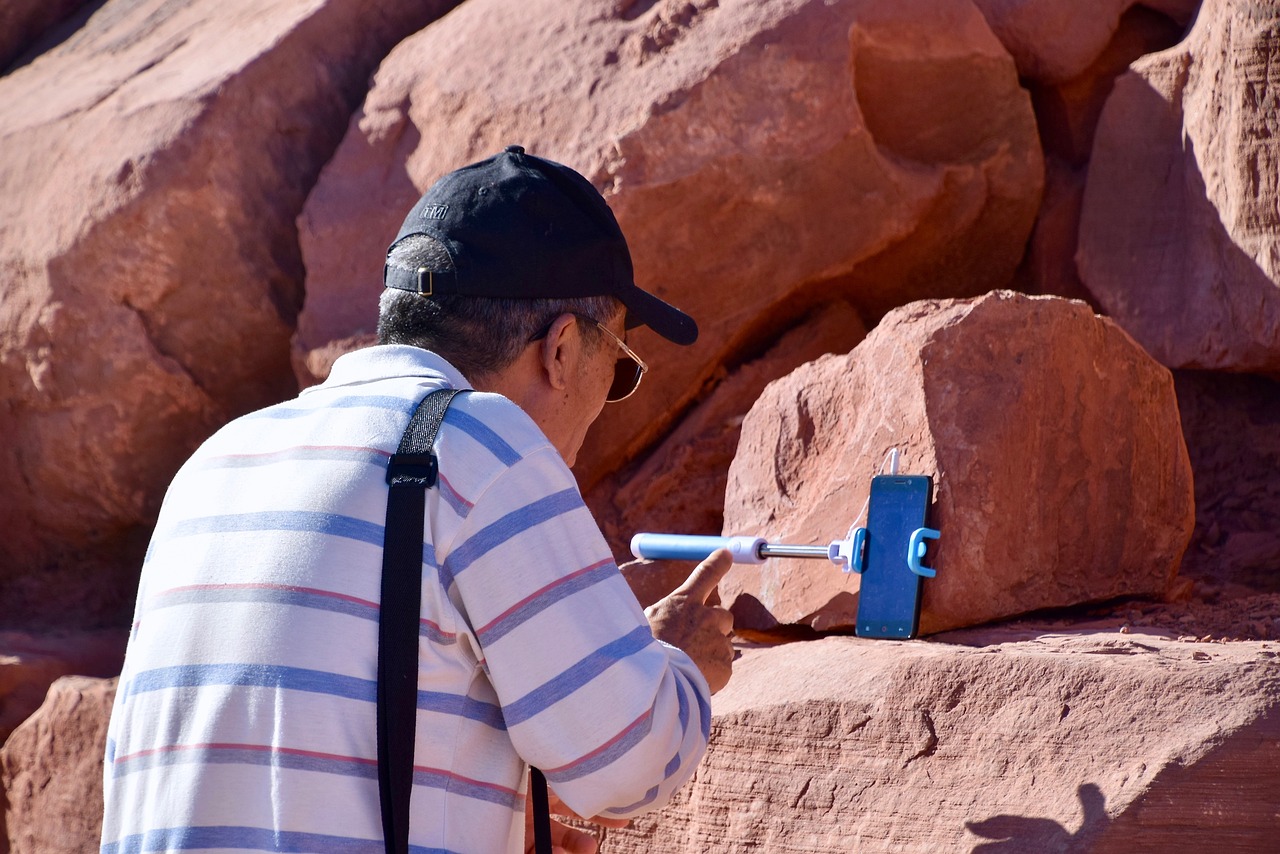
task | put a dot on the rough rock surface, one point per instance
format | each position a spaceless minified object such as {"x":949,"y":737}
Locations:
{"x":153,"y":166}
{"x":51,"y":768}
{"x":1232,"y":428}
{"x":1067,"y":115}
{"x":1067,"y":112}
{"x":998,"y":740}
{"x":1053,"y":42}
{"x":1180,"y":227}
{"x":761,"y":157}
{"x":23,"y":22}
{"x":30,"y":663}
{"x":679,"y":486}
{"x":1060,"y":472}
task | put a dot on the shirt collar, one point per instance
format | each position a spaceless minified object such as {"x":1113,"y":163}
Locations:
{"x":388,"y":361}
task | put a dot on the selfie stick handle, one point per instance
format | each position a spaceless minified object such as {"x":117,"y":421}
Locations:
{"x":744,"y":549}
{"x":689,"y":547}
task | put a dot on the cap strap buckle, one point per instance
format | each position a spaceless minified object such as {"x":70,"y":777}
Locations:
{"x":430,"y":278}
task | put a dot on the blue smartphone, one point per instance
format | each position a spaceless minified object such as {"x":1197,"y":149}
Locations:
{"x":889,"y":598}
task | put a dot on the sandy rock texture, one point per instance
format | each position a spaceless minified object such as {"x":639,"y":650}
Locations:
{"x":24,"y":22}
{"x":30,"y":663}
{"x":153,"y":165}
{"x":679,"y":486}
{"x":1060,"y":471}
{"x":51,"y":768}
{"x":1056,"y":42}
{"x":197,"y":196}
{"x":1232,"y":427}
{"x":761,"y":158}
{"x":1067,"y":114}
{"x":1011,"y":740}
{"x":1180,"y":228}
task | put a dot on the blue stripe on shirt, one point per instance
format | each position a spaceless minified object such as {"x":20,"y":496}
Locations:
{"x":457,"y":785}
{"x":512,"y":524}
{"x":294,"y":759}
{"x":252,"y":676}
{"x":649,"y":797}
{"x":253,"y":839}
{"x":297,"y":597}
{"x":575,"y":677}
{"x":300,"y":679}
{"x":246,"y":754}
{"x":304,"y":521}
{"x":544,"y":599}
{"x":483,"y":434}
{"x":355,"y":401}
{"x":606,"y":755}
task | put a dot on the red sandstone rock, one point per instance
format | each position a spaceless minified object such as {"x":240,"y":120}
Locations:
{"x":1067,"y":115}
{"x":1006,"y":740}
{"x":1230,"y":427}
{"x":51,"y":769}
{"x":1060,"y":472}
{"x":761,"y":157}
{"x":1180,"y":228}
{"x":1067,"y":111}
{"x":1049,"y":267}
{"x":1053,"y":42}
{"x":679,"y":487}
{"x":153,"y":165}
{"x":30,"y":663}
{"x":22,"y":22}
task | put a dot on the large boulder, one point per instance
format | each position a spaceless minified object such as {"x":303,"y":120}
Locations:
{"x":1230,"y":424}
{"x":51,"y":769}
{"x":1053,"y":42}
{"x":1060,"y":471}
{"x":679,"y":486}
{"x":1091,"y":742}
{"x":29,"y":664}
{"x":1067,"y":114}
{"x":1180,"y":226}
{"x":23,"y":22}
{"x":1067,"y":111}
{"x":153,"y":167}
{"x":761,"y":158}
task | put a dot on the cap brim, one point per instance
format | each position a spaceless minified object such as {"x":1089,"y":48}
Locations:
{"x":644,"y":309}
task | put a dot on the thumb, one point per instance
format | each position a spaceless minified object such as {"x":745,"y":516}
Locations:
{"x":706,"y":575}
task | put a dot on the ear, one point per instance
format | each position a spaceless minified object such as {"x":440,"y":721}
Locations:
{"x":560,"y":351}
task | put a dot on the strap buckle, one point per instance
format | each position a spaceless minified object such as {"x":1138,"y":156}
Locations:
{"x":413,"y":470}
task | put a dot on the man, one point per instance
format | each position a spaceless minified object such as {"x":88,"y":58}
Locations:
{"x":244,"y":718}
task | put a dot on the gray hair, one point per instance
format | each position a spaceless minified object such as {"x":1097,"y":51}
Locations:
{"x":479,"y":336}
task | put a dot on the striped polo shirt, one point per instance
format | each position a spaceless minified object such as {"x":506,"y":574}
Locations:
{"x":244,"y":718}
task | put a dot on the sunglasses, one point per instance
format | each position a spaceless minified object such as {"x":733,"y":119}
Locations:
{"x":627,"y":372}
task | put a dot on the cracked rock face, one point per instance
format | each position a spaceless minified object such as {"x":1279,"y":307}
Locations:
{"x":1180,"y":226}
{"x":1020,"y":740}
{"x":51,"y":769}
{"x":1060,"y":471}
{"x":762,"y":158}
{"x":1053,"y":42}
{"x":150,"y":268}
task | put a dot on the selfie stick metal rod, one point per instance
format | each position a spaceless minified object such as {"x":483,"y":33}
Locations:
{"x":784,"y":550}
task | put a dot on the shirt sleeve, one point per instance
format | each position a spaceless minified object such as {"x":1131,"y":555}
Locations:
{"x":616,"y":720}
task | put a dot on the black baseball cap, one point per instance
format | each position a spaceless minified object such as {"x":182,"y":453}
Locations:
{"x":521,"y":227}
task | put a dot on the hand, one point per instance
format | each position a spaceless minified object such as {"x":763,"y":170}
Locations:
{"x":685,"y":620}
{"x":565,"y":839}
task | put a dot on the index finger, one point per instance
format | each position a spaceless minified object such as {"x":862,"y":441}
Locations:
{"x":706,"y":575}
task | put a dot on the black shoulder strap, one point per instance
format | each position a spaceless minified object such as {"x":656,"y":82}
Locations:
{"x":412,"y":471}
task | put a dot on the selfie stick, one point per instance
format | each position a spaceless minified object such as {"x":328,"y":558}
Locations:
{"x":846,"y":554}
{"x":849,"y":554}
